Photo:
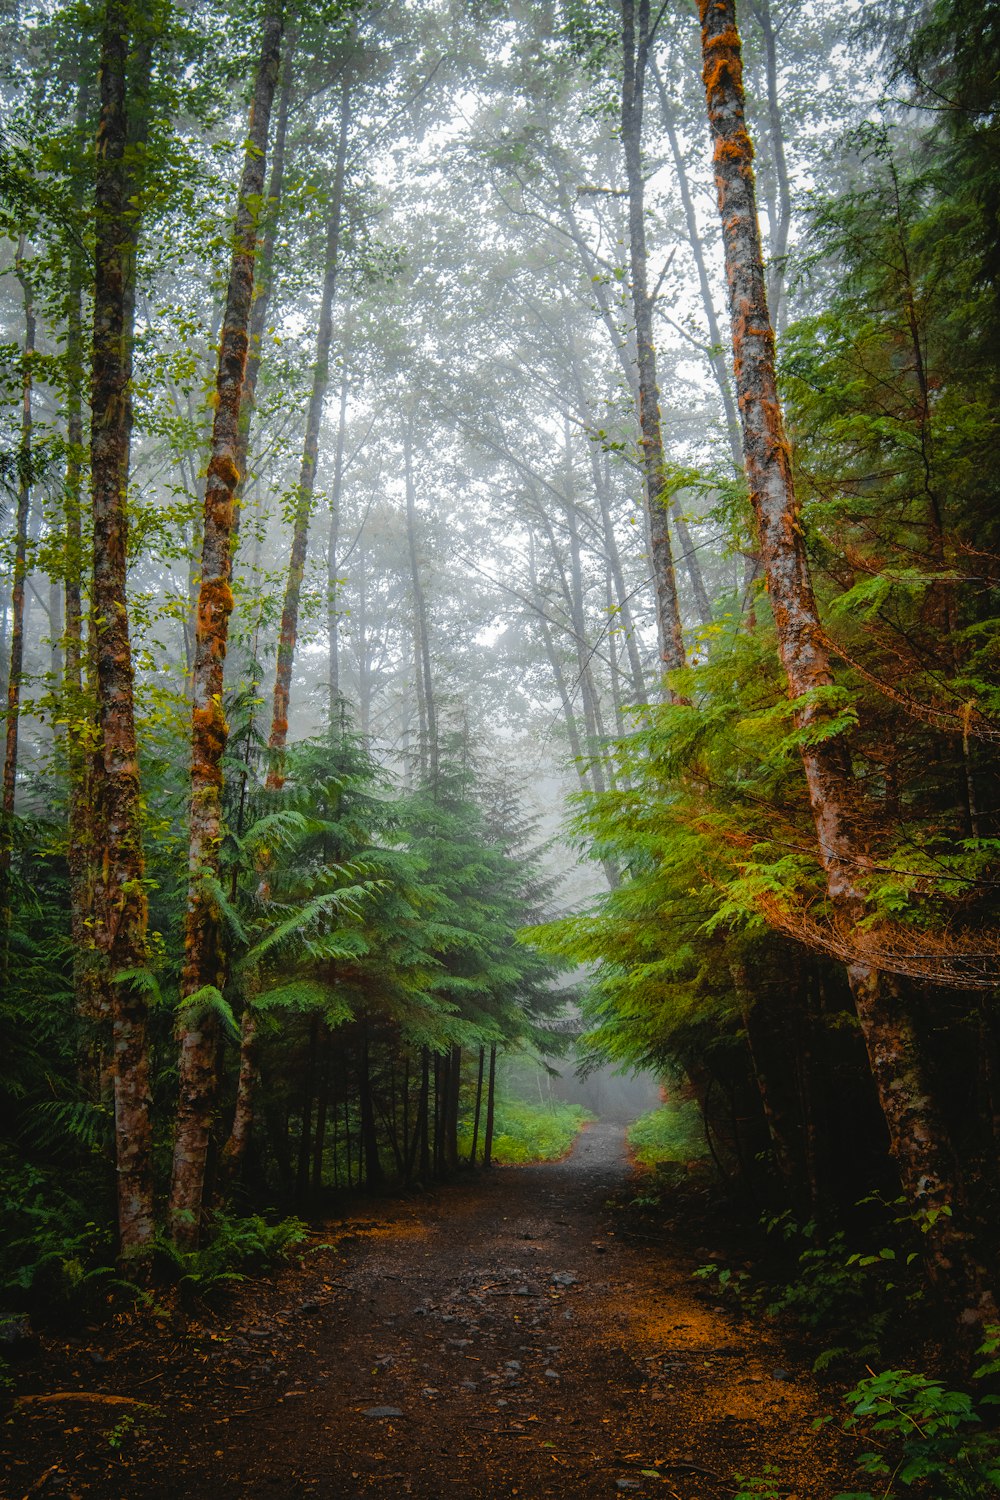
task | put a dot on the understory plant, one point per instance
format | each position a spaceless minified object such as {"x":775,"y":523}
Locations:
{"x":233,"y":1247}
{"x":930,"y":1438}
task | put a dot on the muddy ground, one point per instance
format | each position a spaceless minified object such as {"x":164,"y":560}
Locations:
{"x":497,"y":1338}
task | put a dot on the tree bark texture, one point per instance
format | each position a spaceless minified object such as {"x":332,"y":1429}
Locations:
{"x":16,"y":670}
{"x":120,"y":900}
{"x":635,"y":52}
{"x":918,"y":1141}
{"x":307,"y":472}
{"x":203,"y":956}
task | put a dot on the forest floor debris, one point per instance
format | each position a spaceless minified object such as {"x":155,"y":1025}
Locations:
{"x":442,"y":1348}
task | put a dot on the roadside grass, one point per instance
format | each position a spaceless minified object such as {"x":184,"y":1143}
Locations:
{"x":524,"y":1132}
{"x":672,"y":1133}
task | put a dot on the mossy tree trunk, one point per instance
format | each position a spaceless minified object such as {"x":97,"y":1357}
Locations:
{"x":917,"y":1136}
{"x":16,"y":669}
{"x":203,"y":973}
{"x":120,"y":906}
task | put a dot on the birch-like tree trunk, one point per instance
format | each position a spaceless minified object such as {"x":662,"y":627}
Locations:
{"x":918,"y":1140}
{"x":204,"y":965}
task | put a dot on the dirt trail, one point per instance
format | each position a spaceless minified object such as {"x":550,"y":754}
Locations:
{"x":495,"y":1339}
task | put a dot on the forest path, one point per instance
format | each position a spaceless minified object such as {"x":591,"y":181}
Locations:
{"x":517,"y":1345}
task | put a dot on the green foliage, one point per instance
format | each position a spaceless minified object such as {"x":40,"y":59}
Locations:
{"x":525,"y":1132}
{"x":235,"y":1246}
{"x":57,"y":1252}
{"x":672,"y":1133}
{"x":936,"y":1432}
{"x":759,"y":1487}
{"x":834,"y":1291}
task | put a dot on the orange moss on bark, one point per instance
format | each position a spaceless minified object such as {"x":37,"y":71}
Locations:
{"x":203,"y":957}
{"x":919,"y":1140}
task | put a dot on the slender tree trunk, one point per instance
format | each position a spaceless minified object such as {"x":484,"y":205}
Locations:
{"x":425,"y":680}
{"x":635,"y":50}
{"x":16,"y":671}
{"x":613,"y":555}
{"x":233,"y":1154}
{"x":478,"y":1108}
{"x":307,"y":473}
{"x":436,"y":1143}
{"x":374,"y":1175}
{"x":91,"y":997}
{"x":203,"y":970}
{"x":120,"y":900}
{"x":423,"y":1123}
{"x":490,"y":1109}
{"x":407,"y":1164}
{"x":761,"y":1053}
{"x":689,"y":553}
{"x":452,"y":1104}
{"x":347,"y":1132}
{"x":263,"y":277}
{"x":333,"y":546}
{"x":305,"y":1134}
{"x":716,"y":357}
{"x":917,"y":1136}
{"x":780,"y":212}
{"x":322,"y":1108}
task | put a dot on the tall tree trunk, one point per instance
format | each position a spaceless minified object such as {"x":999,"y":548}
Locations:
{"x":264,"y":276}
{"x":307,"y":473}
{"x":478,"y":1107}
{"x":374,"y":1176}
{"x":916,"y":1133}
{"x":780,"y":204}
{"x":425,"y":681}
{"x":322,"y":1108}
{"x":305,"y":1134}
{"x":16,"y":671}
{"x":234,"y":1152}
{"x":490,"y":1108}
{"x":90,"y":995}
{"x":601,"y":485}
{"x":333,"y":547}
{"x":120,"y":900}
{"x":203,"y":970}
{"x":716,"y":358}
{"x":451,"y":1108}
{"x":423,"y":1119}
{"x":635,"y":52}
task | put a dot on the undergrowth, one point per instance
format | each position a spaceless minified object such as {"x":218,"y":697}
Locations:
{"x":524,"y":1132}
{"x":926,"y":1439}
{"x":672,"y":1133}
{"x":234,"y":1247}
